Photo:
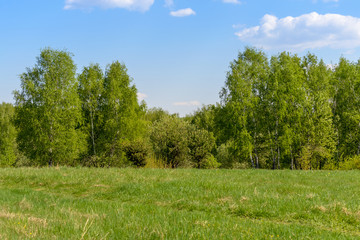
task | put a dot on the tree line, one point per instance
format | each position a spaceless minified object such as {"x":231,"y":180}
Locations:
{"x":285,"y":112}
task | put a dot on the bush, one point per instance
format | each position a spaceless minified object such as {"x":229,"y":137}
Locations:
{"x":201,"y":143}
{"x":153,"y":162}
{"x":169,"y":139}
{"x":181,"y":144}
{"x":350,"y":163}
{"x":114,"y":156}
{"x":136,"y":152}
{"x":209,"y":162}
{"x":313,"y":157}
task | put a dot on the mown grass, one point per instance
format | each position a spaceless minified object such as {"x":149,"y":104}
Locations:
{"x":82,"y":203}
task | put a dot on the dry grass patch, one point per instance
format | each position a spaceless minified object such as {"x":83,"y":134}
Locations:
{"x":320,"y":208}
{"x":38,"y":221}
{"x":7,"y":215}
{"x":25,"y":205}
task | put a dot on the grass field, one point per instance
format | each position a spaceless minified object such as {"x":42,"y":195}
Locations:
{"x":81,"y":203}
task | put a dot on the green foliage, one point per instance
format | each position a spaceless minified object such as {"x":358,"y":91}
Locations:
{"x":318,"y":129}
{"x":282,"y":112}
{"x":201,"y":143}
{"x":114,"y":156}
{"x":279,"y":112}
{"x":121,"y":113}
{"x":346,"y":107}
{"x":8,"y":148}
{"x":209,"y":162}
{"x":204,"y":118}
{"x":240,"y":98}
{"x":91,"y":82}
{"x":225,"y":156}
{"x":169,"y":137}
{"x":350,"y":163}
{"x":136,"y":152}
{"x":47,"y":111}
{"x":155,"y":114}
{"x":181,"y":144}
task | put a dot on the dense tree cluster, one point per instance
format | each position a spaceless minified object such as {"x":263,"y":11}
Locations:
{"x":286,"y":112}
{"x":92,"y":119}
{"x":282,"y":112}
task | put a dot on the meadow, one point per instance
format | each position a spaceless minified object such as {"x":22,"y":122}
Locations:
{"x":90,"y":203}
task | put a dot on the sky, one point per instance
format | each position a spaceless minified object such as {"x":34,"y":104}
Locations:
{"x":177,"y":51}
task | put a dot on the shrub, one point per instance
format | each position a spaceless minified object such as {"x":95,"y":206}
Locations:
{"x":182,"y":144}
{"x":350,"y":163}
{"x":201,"y":143}
{"x":169,"y":139}
{"x":209,"y":162}
{"x":313,"y":157}
{"x":136,"y":152}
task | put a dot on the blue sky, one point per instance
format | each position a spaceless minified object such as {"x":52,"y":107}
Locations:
{"x":177,"y":52}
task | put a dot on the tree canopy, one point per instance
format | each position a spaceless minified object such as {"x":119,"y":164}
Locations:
{"x":280,"y":112}
{"x":47,"y":110}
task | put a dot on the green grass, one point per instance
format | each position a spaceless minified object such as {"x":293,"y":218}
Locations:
{"x":81,"y":203}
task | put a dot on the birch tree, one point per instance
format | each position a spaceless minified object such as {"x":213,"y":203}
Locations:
{"x":122,"y":114}
{"x":240,"y":98}
{"x":90,"y":90}
{"x":346,"y":107}
{"x":318,"y":135}
{"x":47,"y":110}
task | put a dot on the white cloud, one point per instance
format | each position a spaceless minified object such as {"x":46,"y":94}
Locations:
{"x":141,"y":96}
{"x":139,"y":5}
{"x":308,"y":31}
{"x":232,"y":1}
{"x":182,"y":12}
{"x":187,"y":104}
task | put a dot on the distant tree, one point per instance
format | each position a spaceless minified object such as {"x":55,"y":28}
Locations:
{"x":346,"y":108}
{"x":318,"y":134}
{"x":48,"y":111}
{"x":284,"y":101}
{"x":204,"y":118}
{"x":240,"y":98}
{"x":154,"y":114}
{"x":8,"y":148}
{"x":121,"y":112}
{"x":91,"y":82}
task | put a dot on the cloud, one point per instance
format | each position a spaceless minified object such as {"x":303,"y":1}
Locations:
{"x":308,"y":31}
{"x":187,"y":104}
{"x":182,"y":12}
{"x":141,"y":96}
{"x":139,"y":5}
{"x":232,"y":1}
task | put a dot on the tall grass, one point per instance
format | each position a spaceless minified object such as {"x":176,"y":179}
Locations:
{"x":83,"y":203}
